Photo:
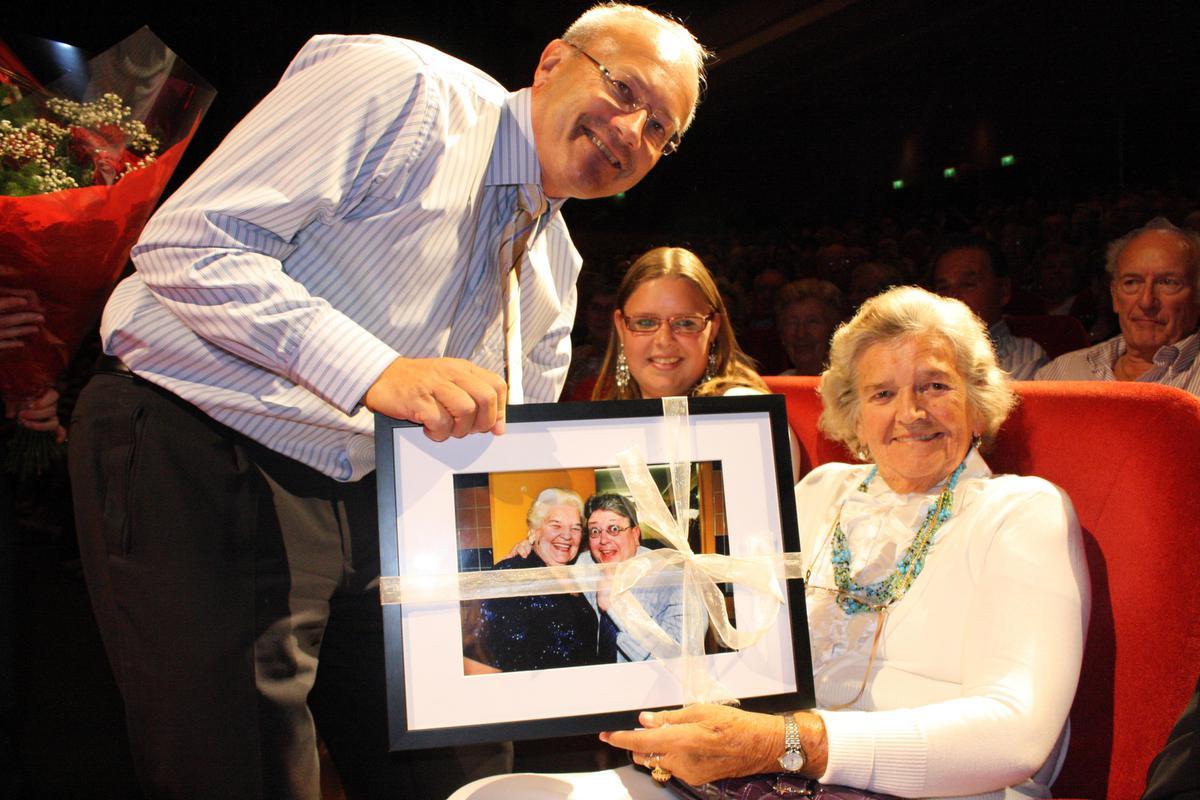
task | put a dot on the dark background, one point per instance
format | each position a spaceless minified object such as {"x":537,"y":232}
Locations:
{"x":814,"y":107}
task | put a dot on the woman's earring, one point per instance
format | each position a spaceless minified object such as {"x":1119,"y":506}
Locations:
{"x":622,"y":372}
{"x":976,"y":441}
{"x":711,"y":371}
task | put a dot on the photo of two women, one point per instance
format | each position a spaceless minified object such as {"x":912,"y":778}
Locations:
{"x":571,"y":628}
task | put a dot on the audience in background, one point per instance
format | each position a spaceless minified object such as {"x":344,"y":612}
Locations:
{"x":1059,"y":245}
{"x":974,"y":270}
{"x":1154,"y":271}
{"x":808,"y":311}
{"x":759,"y":334}
{"x":593,"y":322}
{"x":1060,"y":281}
{"x":871,"y":278}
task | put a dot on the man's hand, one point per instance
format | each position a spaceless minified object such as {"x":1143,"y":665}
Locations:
{"x":522,"y":548}
{"x":17,"y":320}
{"x":446,"y":396}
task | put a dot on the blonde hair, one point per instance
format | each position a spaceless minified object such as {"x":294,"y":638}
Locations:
{"x":603,"y":19}
{"x":733,"y":367}
{"x":910,"y":312}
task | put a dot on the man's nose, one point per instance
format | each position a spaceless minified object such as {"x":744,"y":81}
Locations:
{"x":631,"y":125}
{"x":1147,"y":297}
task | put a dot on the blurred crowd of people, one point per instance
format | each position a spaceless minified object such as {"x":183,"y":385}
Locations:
{"x":787,"y":288}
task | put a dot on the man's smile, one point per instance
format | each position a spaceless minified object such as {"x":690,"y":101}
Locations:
{"x":603,"y":148}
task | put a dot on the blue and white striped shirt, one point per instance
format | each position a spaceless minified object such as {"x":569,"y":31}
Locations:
{"x":1019,"y":356}
{"x":353,"y":216}
{"x":1174,"y":364}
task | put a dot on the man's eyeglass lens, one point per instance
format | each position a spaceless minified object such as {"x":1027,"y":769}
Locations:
{"x":623,"y":94}
{"x":611,"y":530}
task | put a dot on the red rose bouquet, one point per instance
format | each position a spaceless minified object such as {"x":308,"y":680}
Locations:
{"x":83,"y":162}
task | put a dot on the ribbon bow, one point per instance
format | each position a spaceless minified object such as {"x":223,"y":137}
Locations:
{"x":701,"y":572}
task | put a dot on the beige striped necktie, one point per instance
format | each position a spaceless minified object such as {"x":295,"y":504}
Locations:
{"x":531,"y":204}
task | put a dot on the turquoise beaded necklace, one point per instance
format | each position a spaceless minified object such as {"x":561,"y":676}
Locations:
{"x":888,"y":590}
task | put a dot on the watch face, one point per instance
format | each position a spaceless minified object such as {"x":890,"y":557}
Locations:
{"x":792,"y":761}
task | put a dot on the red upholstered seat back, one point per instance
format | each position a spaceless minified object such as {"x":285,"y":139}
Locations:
{"x":1128,"y":455}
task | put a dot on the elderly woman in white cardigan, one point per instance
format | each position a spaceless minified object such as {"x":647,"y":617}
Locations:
{"x":947,"y":605}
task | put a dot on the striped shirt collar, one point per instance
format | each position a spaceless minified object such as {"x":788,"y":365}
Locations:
{"x":1172,"y":358}
{"x":514,"y":158}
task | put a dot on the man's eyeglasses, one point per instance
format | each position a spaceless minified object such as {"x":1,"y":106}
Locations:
{"x":622,"y":93}
{"x":681,"y":325}
{"x":1164,"y":285}
{"x":612,"y":531}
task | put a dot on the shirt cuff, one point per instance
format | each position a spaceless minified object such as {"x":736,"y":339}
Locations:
{"x":340,"y":360}
{"x":876,"y":750}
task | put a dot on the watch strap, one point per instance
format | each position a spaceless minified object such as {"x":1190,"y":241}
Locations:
{"x":793,"y":758}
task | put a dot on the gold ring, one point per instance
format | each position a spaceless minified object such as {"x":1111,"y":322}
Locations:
{"x":658,"y":773}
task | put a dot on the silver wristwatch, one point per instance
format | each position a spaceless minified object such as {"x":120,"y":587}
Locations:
{"x":793,"y":758}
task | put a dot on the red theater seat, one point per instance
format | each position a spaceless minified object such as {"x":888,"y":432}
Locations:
{"x":1128,"y":455}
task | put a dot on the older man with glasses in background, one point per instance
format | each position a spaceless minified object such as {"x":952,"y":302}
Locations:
{"x":1155,"y":272}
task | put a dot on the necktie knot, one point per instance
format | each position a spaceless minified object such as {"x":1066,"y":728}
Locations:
{"x":531,"y":204}
{"x":531,"y":199}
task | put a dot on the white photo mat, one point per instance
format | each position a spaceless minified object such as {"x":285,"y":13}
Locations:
{"x":437,"y":696}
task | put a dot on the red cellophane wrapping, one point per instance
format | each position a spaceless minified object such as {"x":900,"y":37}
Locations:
{"x":65,"y":250}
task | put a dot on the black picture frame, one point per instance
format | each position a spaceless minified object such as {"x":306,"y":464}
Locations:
{"x":430,"y":705}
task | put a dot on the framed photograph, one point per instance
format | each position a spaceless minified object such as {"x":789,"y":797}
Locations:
{"x":548,"y":492}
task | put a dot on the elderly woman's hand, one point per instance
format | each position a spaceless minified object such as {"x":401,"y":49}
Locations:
{"x":703,"y":743}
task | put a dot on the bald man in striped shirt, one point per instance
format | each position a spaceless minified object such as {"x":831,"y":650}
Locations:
{"x":339,"y":254}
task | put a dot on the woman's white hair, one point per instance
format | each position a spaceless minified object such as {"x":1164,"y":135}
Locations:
{"x":603,"y":19}
{"x":547,"y":498}
{"x":910,"y":312}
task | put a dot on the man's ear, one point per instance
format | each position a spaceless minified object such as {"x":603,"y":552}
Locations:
{"x":550,"y":59}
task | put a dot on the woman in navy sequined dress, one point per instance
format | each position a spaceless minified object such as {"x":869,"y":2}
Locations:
{"x":542,"y":631}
